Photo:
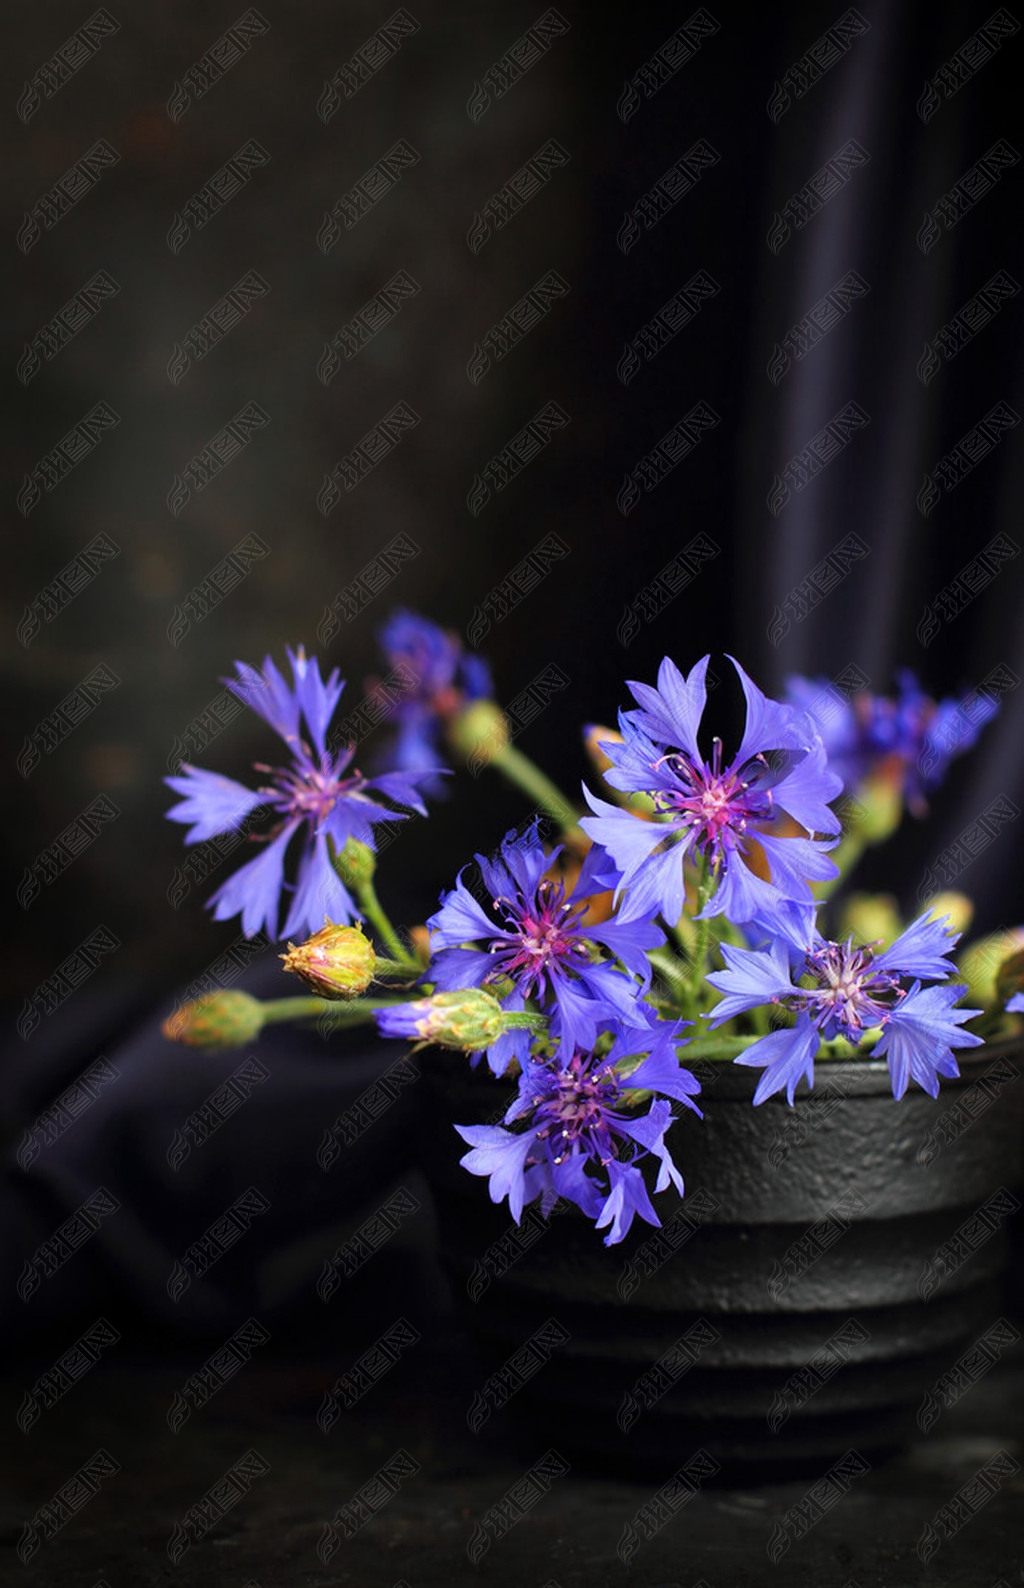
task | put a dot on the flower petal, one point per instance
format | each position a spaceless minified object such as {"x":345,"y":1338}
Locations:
{"x":502,"y":1157}
{"x":673,"y":711}
{"x":215,"y":804}
{"x":461,"y":919}
{"x":316,"y":698}
{"x":319,"y":894}
{"x":266,"y":692}
{"x":921,"y":950}
{"x":752,"y":977}
{"x":785,"y":1056}
{"x":806,"y":789}
{"x":254,"y":892}
{"x":919,"y":1033}
{"x":627,"y":1197}
{"x":770,"y":724}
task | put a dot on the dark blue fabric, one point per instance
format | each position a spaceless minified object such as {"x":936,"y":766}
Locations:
{"x":123,"y":1143}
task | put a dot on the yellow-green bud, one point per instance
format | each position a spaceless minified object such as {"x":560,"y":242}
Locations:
{"x":1010,"y":978}
{"x":355,"y":864}
{"x":957,"y":906}
{"x":478,"y":731}
{"x":336,"y":962}
{"x":870,"y":918}
{"x":226,"y":1019}
{"x":466,"y":1020}
{"x":875,"y":807}
{"x":979,"y":965}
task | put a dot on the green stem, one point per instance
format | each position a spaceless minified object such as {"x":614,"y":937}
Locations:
{"x":355,"y":1009}
{"x":716,"y":1048}
{"x":674,"y":972}
{"x":703,"y":928}
{"x":393,"y":967}
{"x":683,"y":939}
{"x":373,"y":910}
{"x":528,"y":778}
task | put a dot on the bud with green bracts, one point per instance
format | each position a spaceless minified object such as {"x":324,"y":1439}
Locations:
{"x":466,"y":1020}
{"x":336,"y":962}
{"x":227,"y":1019}
{"x":355,"y":864}
{"x":980,"y":964}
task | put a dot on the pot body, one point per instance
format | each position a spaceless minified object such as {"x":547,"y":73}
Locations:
{"x":825,"y":1269}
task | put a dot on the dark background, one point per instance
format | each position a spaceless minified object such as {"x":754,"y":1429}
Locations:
{"x":572,"y":619}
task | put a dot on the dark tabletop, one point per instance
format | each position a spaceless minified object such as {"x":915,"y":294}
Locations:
{"x":302,"y":1506}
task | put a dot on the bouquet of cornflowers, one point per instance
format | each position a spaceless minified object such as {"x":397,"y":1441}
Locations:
{"x":679,"y":918}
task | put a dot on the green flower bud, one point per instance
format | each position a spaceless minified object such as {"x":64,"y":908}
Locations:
{"x":466,"y":1020}
{"x":478,"y":731}
{"x":957,"y":906}
{"x":875,"y":808}
{"x":355,"y":864}
{"x":979,"y":965}
{"x":870,"y":918}
{"x":336,"y":962}
{"x":217,"y":1020}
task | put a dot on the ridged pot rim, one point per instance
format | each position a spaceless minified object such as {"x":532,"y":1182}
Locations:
{"x":857,"y":1077}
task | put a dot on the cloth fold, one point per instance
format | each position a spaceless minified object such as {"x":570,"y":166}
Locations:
{"x":190,"y":1189}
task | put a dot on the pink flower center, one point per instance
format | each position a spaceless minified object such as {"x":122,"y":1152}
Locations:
{"x":310,"y":791}
{"x":851,"y":995}
{"x":718,"y":805}
{"x":546,"y":937}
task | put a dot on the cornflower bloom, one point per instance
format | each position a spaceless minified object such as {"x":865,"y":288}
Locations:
{"x":538,"y":945}
{"x":730,"y":815}
{"x":913,"y":736}
{"x":315,"y":796}
{"x":442,"y":678}
{"x":581,"y":1141}
{"x":845,"y":990}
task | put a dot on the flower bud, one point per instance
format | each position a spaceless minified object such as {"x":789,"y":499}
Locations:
{"x":876,"y":805}
{"x":957,"y":906}
{"x":355,"y":864}
{"x":336,"y":962}
{"x":478,"y":731}
{"x":1010,"y":983}
{"x":870,"y":918}
{"x":979,"y":964}
{"x":226,"y":1019}
{"x":466,"y":1020}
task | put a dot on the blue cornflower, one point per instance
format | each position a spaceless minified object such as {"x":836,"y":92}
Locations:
{"x":730,"y":815}
{"x":537,"y":945}
{"x":438,"y":678}
{"x":581,"y":1141}
{"x":1016,"y":1004}
{"x":841,"y":990}
{"x":312,"y":795}
{"x":913,"y":735}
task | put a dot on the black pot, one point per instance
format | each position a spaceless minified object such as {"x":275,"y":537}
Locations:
{"x":826,"y":1266}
